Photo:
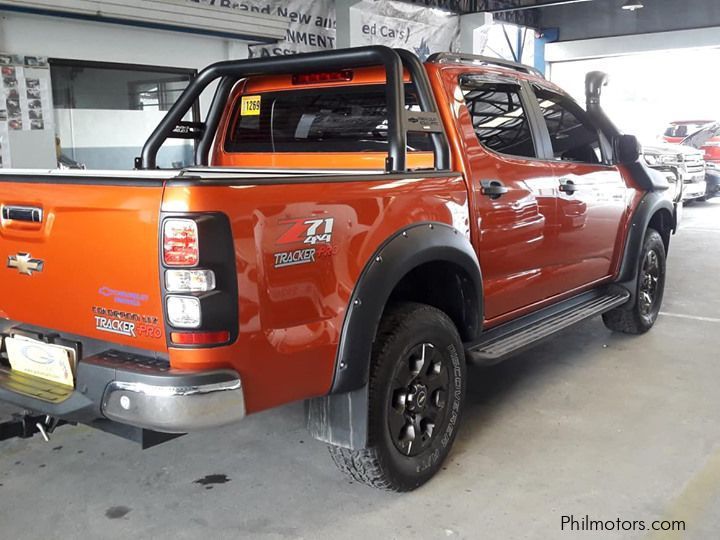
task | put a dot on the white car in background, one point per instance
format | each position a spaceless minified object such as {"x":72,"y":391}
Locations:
{"x":688,"y":161}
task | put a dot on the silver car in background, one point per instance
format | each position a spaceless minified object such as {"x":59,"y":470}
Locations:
{"x":688,"y":161}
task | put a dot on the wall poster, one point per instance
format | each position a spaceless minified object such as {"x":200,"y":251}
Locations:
{"x":25,"y":98}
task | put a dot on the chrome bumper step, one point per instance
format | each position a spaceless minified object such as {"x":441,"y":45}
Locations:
{"x":132,"y":390}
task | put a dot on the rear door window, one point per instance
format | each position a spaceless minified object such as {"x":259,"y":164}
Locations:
{"x":333,"y":119}
{"x":498,"y":117}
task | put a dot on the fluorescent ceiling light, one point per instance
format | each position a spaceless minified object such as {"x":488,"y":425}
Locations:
{"x":632,"y":5}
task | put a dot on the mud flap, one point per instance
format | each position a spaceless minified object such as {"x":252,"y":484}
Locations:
{"x":339,"y":419}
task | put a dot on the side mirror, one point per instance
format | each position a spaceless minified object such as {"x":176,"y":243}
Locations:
{"x":628,"y":149}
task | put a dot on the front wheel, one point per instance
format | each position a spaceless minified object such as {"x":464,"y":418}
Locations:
{"x":416,"y":392}
{"x":639,"y":317}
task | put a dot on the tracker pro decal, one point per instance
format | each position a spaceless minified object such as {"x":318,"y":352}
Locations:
{"x":292,"y":258}
{"x":126,"y":323}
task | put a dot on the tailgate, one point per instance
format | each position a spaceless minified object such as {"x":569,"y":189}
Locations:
{"x":82,"y":258}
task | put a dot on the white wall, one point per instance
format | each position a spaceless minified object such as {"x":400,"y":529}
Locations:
{"x":104,"y":42}
{"x":106,"y":127}
{"x":109,"y":139}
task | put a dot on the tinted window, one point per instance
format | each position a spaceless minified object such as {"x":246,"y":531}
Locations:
{"x":334,"y":119}
{"x":572,"y":135}
{"x":93,"y":86}
{"x":498,"y":117}
{"x":104,"y":113}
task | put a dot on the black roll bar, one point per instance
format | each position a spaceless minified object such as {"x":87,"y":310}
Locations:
{"x":426,"y":97}
{"x":233,"y":70}
{"x":217,"y":107}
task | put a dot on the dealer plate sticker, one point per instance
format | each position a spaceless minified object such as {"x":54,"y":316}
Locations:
{"x":50,"y":362}
{"x":250,"y":106}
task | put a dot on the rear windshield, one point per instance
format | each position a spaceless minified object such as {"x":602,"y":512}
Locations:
{"x":333,"y":119}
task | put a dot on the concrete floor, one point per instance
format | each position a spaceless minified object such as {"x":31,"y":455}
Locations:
{"x":590,"y":423}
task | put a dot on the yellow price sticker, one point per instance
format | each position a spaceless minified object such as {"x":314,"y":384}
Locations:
{"x":250,"y":106}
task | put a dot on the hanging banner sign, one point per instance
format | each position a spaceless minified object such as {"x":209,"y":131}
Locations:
{"x":419,"y":29}
{"x":312,"y":23}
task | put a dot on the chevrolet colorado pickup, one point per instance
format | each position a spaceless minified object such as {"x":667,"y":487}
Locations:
{"x":358,"y":227}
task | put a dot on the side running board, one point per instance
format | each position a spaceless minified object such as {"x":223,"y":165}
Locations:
{"x":498,"y":343}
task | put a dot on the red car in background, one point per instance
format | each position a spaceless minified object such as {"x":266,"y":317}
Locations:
{"x":677,"y":131}
{"x":707,"y":139}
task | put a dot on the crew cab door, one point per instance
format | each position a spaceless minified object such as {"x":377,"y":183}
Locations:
{"x":513,"y":193}
{"x":591,"y":201}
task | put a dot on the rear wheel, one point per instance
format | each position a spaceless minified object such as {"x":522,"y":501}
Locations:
{"x":416,"y":393}
{"x":639,"y":317}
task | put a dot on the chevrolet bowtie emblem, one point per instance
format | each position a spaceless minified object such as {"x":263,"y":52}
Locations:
{"x":25,"y":264}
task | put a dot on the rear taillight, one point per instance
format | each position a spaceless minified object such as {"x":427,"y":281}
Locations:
{"x":195,"y":280}
{"x":199,"y":280}
{"x":323,"y":77}
{"x":199,"y":338}
{"x":183,"y":311}
{"x":180,"y":242}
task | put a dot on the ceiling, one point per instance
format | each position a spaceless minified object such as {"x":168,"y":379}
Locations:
{"x":584,"y":19}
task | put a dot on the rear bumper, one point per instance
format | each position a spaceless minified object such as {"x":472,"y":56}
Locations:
{"x":132,"y":390}
{"x":175,"y":406}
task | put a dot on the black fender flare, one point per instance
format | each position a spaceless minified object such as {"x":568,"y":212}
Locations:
{"x":341,"y":416}
{"x":396,"y":257}
{"x":652,"y":203}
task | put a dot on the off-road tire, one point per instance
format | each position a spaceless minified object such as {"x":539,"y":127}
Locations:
{"x":404,"y":328}
{"x":637,"y":318}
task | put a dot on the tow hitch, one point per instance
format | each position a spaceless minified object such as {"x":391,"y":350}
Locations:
{"x":24,"y":426}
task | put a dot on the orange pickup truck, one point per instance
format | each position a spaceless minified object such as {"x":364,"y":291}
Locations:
{"x":357,"y":227}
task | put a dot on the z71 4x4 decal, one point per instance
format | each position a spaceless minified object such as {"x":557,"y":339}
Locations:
{"x":307,"y":231}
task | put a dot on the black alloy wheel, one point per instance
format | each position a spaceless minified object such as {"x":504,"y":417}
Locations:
{"x":418,"y":398}
{"x":639,"y":315}
{"x":649,"y":280}
{"x":415,"y":393}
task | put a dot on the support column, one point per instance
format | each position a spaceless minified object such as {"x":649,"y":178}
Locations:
{"x":547,"y":35}
{"x":343,"y":39}
{"x":237,"y":50}
{"x":474,"y":32}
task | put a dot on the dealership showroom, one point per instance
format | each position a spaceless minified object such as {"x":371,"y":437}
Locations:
{"x":359,"y":269}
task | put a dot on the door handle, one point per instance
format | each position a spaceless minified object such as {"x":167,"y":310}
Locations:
{"x":568,"y":186}
{"x":493,"y":188}
{"x":22,"y":213}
